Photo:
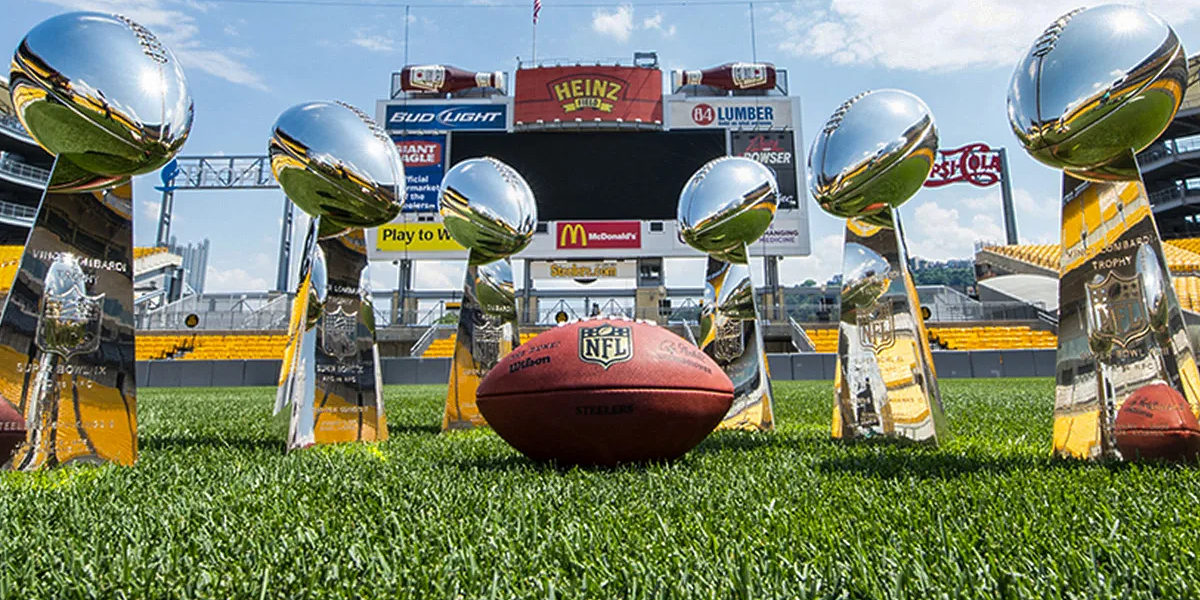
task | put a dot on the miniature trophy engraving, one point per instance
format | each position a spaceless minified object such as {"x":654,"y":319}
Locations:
{"x":1096,"y":87}
{"x":488,"y":208}
{"x":336,"y":165}
{"x":726,"y":206}
{"x":875,"y":153}
{"x":104,"y":96}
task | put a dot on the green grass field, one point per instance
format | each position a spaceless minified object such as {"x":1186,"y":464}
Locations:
{"x":215,"y":509}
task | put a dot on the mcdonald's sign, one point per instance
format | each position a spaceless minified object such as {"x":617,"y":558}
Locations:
{"x":572,"y":235}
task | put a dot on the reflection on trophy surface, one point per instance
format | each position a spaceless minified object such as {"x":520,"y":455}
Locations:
{"x":337,"y":165}
{"x":488,"y":208}
{"x":1096,"y":87}
{"x":103,"y":95}
{"x":726,"y":206}
{"x":875,"y":153}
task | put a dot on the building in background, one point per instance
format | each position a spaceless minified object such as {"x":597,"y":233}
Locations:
{"x":24,"y":171}
{"x":1171,"y":166}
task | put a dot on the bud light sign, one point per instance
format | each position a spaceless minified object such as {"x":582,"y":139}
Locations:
{"x":447,"y":117}
{"x":424,"y":166}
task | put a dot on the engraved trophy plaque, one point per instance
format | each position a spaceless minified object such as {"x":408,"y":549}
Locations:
{"x":336,"y":165}
{"x":874,"y":153}
{"x":726,"y":206}
{"x":488,"y":208}
{"x":1096,"y":87}
{"x":104,"y":96}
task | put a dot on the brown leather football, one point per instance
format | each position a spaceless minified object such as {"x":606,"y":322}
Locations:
{"x":604,"y":392}
{"x":1157,"y":423}
{"x":12,"y":430}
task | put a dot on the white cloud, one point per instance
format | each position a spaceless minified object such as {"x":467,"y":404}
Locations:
{"x":617,"y":24}
{"x":441,"y":275}
{"x":656,"y":23}
{"x":938,"y":233}
{"x":373,"y":41}
{"x":824,"y":262}
{"x":180,"y":33}
{"x":148,"y":210}
{"x":931,"y":36}
{"x":233,"y":280}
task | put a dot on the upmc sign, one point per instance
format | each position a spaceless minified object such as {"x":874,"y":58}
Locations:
{"x":446,"y":117}
{"x":579,"y":235}
{"x":549,"y":94}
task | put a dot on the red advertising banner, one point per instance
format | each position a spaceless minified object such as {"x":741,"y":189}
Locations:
{"x":570,"y":235}
{"x":976,"y":164}
{"x":629,"y":94}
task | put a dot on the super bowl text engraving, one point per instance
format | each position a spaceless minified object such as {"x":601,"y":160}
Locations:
{"x":84,"y":261}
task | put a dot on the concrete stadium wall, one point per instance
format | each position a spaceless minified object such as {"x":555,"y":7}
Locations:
{"x":783,"y":367}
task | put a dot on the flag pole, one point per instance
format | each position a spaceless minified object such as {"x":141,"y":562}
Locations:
{"x":537,"y":8}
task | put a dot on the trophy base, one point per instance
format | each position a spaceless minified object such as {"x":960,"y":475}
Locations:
{"x":730,"y":335}
{"x":885,"y":384}
{"x":331,"y":376}
{"x":1121,"y":330}
{"x":487,"y":330}
{"x":66,"y":333}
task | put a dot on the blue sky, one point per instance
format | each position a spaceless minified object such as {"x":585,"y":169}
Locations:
{"x":248,"y":60}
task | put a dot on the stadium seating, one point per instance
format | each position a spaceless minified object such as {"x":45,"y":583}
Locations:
{"x":210,"y":346}
{"x":825,"y":340}
{"x":961,"y":338}
{"x":10,"y":259}
{"x":1189,"y":244}
{"x":1188,"y":290}
{"x":1039,"y":255}
{"x":444,"y":348}
{"x":144,"y":251}
{"x":1003,"y":337}
{"x":1183,"y":256}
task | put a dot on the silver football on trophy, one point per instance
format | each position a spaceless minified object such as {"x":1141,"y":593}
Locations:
{"x":103,"y":93}
{"x":727,"y":205}
{"x":1095,"y":85}
{"x":874,"y":153}
{"x":488,"y":207}
{"x":334,"y":162}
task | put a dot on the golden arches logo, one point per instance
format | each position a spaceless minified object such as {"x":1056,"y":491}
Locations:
{"x":575,"y":233}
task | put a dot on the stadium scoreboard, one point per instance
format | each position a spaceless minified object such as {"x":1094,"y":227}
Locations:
{"x":606,"y":154}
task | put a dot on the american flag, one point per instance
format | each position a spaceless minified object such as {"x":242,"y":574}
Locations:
{"x":537,"y":8}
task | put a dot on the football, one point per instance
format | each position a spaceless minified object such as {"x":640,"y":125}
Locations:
{"x":12,"y":430}
{"x":1156,"y":423}
{"x":1096,"y":84}
{"x":603,"y":392}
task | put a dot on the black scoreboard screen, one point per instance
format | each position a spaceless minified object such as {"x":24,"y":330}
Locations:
{"x":630,"y":175}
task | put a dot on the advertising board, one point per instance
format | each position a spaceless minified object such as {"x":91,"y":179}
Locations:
{"x":588,"y":93}
{"x":776,"y":150}
{"x":730,"y":113}
{"x":420,"y":116}
{"x":424,"y":159}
